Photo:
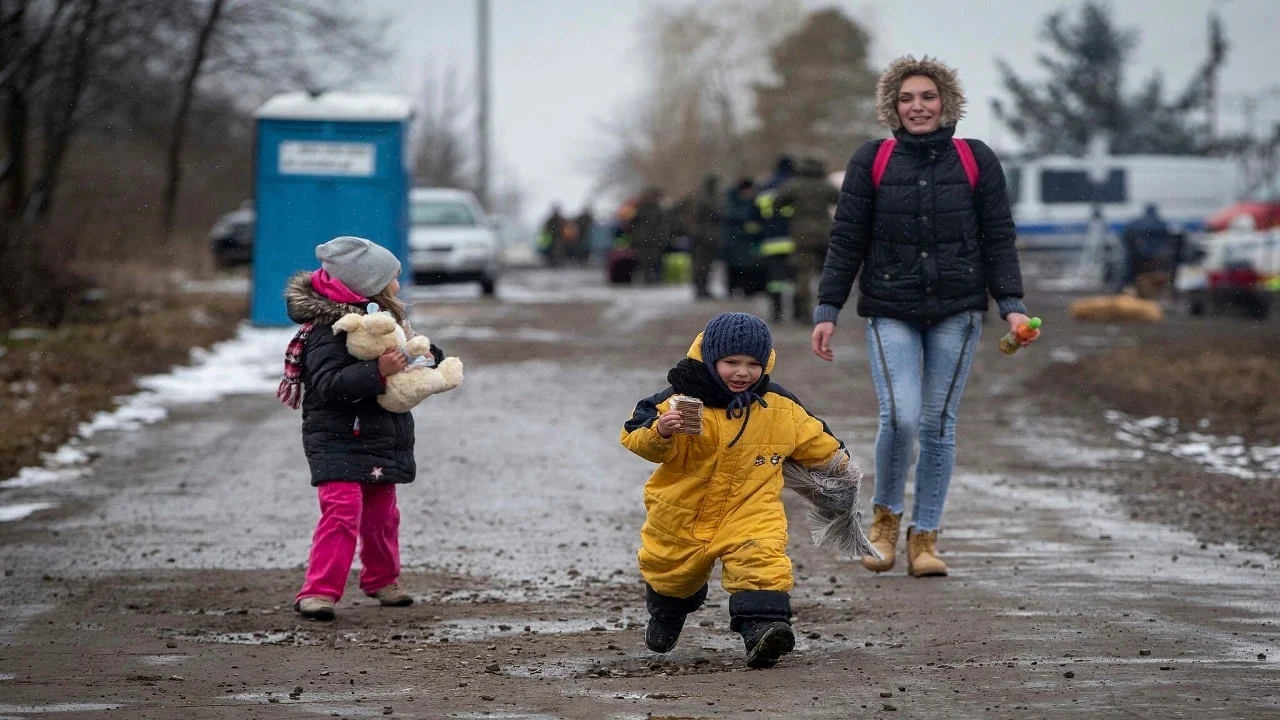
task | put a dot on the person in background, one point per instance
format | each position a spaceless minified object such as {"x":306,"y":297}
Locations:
{"x":1145,"y":242}
{"x":775,"y":236}
{"x":551,"y":239}
{"x":586,"y":223}
{"x":739,"y":235}
{"x":811,"y":197}
{"x":698,"y":217}
{"x":650,"y":234}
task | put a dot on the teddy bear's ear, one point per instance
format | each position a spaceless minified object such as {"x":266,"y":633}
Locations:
{"x":347,"y":323}
{"x":380,"y":324}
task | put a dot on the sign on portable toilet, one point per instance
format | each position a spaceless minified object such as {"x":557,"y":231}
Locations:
{"x":326,"y":164}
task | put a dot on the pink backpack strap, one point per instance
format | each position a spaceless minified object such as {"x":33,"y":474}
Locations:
{"x":883,"y":153}
{"x":967,"y":160}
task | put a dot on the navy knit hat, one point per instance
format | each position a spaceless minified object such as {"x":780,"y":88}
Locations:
{"x":736,"y":334}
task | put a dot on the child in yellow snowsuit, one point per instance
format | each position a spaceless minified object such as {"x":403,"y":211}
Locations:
{"x":717,"y":495}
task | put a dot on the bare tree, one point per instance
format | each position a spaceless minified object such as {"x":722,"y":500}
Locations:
{"x":131,"y":77}
{"x":86,"y":30}
{"x":692,"y":118}
{"x":242,"y":41}
{"x":185,"y":97}
{"x":444,"y":152}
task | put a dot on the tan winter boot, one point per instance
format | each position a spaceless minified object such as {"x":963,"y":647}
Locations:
{"x":884,"y":536}
{"x":922,"y":554}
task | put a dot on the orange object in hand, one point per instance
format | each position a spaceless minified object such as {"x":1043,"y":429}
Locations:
{"x":1010,"y":343}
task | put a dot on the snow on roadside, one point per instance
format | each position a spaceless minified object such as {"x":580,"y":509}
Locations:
{"x":249,"y":363}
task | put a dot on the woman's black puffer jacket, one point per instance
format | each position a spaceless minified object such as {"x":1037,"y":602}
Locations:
{"x":927,"y":247}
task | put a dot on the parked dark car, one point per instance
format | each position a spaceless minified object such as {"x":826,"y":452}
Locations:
{"x":232,"y":238}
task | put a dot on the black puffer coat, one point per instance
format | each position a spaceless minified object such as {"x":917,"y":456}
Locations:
{"x":346,"y":434}
{"x":927,"y":247}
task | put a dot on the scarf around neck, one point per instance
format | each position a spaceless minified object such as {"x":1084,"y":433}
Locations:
{"x":334,"y":289}
{"x":692,"y":377}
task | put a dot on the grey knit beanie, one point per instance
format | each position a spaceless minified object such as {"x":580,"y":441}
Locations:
{"x":365,"y":267}
{"x":736,"y":334}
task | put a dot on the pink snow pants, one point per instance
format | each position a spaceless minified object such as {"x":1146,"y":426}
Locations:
{"x":351,"y":510}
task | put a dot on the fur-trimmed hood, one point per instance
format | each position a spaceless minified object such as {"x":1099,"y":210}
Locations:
{"x":306,"y":305}
{"x":942,"y":74}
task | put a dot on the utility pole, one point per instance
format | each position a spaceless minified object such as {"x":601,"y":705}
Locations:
{"x":482,"y":93}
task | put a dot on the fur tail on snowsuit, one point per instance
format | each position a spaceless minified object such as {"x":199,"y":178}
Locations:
{"x":832,"y":493}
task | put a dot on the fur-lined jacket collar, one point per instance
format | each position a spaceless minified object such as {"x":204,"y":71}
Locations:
{"x":306,"y":305}
{"x":943,"y":75}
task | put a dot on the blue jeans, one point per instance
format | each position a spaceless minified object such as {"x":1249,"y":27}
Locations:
{"x":919,"y":372}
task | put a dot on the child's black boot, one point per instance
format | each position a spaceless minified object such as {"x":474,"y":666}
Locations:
{"x":767,"y":642}
{"x":763,"y":618}
{"x":666,"y":617}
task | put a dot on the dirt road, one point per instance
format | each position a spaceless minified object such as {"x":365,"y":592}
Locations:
{"x":160,"y":587}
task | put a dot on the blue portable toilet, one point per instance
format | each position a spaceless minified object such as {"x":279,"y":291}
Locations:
{"x":326,"y":164}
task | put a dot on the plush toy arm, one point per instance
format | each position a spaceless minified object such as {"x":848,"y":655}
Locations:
{"x":418,"y":345}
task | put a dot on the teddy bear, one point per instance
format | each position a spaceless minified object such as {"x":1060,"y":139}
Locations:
{"x":369,"y":335}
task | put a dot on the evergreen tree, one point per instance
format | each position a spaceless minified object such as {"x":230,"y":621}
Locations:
{"x":1084,"y":93}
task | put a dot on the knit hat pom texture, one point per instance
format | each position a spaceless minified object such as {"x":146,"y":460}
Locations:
{"x":736,"y":334}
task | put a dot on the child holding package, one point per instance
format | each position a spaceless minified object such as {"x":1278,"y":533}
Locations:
{"x":357,"y":451}
{"x":716,"y":494}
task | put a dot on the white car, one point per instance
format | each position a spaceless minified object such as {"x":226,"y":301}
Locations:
{"x":451,"y":239}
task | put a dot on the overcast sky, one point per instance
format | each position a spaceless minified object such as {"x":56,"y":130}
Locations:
{"x":561,"y":68}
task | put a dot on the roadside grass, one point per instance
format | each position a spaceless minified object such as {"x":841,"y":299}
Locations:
{"x":51,"y":381}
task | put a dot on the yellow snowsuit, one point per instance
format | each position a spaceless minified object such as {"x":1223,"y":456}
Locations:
{"x":708,"y":501}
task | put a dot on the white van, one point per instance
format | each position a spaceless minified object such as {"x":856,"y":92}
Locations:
{"x":1052,"y":202}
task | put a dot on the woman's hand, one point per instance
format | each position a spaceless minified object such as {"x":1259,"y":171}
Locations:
{"x":390,"y":362}
{"x":668,"y":422}
{"x":821,"y":340}
{"x":1017,"y":320}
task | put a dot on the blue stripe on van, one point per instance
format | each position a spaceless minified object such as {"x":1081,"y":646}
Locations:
{"x":1078,"y":228}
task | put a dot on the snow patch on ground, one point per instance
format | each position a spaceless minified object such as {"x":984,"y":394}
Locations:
{"x":1230,"y":455}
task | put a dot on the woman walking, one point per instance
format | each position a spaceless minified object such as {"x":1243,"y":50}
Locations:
{"x":924,"y":224}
